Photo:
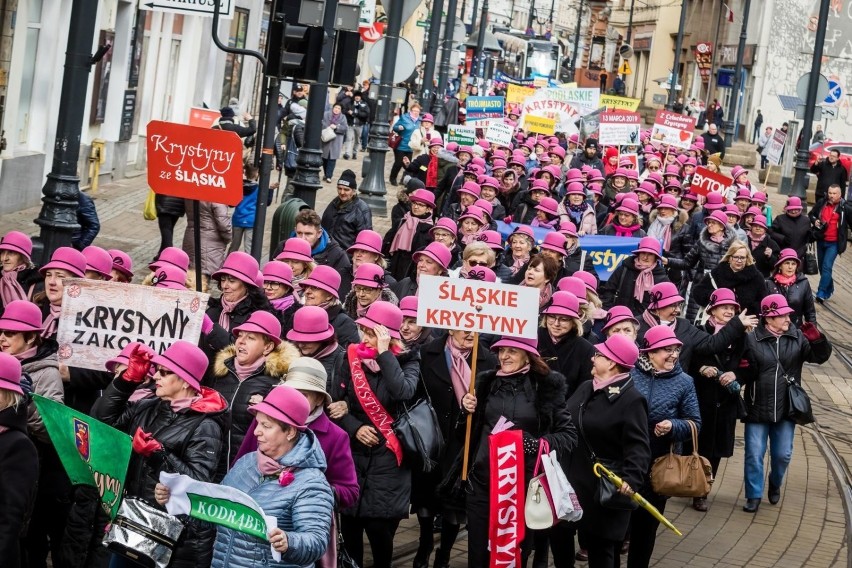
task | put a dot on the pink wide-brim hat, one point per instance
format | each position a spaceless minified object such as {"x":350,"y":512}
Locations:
{"x":98,"y":260}
{"x":522,"y":343}
{"x":616,"y":315}
{"x":278,"y":271}
{"x":658,"y":337}
{"x":563,"y":304}
{"x":370,"y":276}
{"x":367,"y":240}
{"x":382,"y":313}
{"x":619,"y":349}
{"x":310,"y":325}
{"x":664,"y":294}
{"x":437,"y":253}
{"x":723,"y":297}
{"x":122,"y":262}
{"x":21,"y":315}
{"x":16,"y":241}
{"x":296,"y":249}
{"x":327,"y":279}
{"x":264,"y":323}
{"x":241,"y":266}
{"x":68,"y":259}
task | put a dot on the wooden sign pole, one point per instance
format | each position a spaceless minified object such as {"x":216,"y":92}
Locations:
{"x":466,"y":451}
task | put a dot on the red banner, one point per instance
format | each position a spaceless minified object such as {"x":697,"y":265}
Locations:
{"x":704,"y":181}
{"x":703,"y":53}
{"x":195,"y":163}
{"x":506,"y":526}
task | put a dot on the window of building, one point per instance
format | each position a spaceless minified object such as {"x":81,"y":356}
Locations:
{"x":33,"y":30}
{"x":234,"y":63}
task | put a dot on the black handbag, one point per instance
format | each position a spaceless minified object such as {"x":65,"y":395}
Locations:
{"x":799,"y":408}
{"x":606,"y":493}
{"x":811,"y":265}
{"x":344,"y":560}
{"x":419,"y":433}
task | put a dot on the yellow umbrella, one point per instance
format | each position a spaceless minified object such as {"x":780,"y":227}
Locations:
{"x":618,"y":482}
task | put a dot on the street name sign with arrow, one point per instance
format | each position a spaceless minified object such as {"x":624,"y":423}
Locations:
{"x":190,"y":7}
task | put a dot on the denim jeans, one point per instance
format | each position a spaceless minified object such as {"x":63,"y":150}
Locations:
{"x":826,"y":255}
{"x":365,"y":136}
{"x":780,"y":436}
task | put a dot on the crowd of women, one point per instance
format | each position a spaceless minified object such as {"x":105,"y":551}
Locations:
{"x":302,"y":365}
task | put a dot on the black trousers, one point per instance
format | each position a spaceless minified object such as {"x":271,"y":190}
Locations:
{"x":167,"y":230}
{"x":643,"y":530}
{"x":380,"y":533}
{"x":397,"y":163}
{"x":477,"y":530}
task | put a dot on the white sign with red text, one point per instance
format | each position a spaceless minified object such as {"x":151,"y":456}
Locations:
{"x":775,"y":147}
{"x":474,"y":305}
{"x":672,"y":129}
{"x":619,"y":128}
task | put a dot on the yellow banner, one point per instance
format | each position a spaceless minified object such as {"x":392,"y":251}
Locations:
{"x":619,"y":103}
{"x":568,"y":86}
{"x":540,"y":124}
{"x":517,"y":93}
{"x":540,"y":81}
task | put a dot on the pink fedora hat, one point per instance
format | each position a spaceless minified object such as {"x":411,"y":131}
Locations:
{"x":277,"y":271}
{"x":326,"y":278}
{"x":436,"y":252}
{"x":575,"y":286}
{"x":124,"y":356}
{"x":555,"y":241}
{"x":619,"y":349}
{"x":367,"y":240}
{"x":286,"y":405}
{"x":482,"y":273}
{"x":98,"y":260}
{"x":563,"y":304}
{"x":648,"y":244}
{"x":664,"y":294}
{"x":296,"y":249}
{"x":445,"y":223}
{"x":522,"y":343}
{"x":589,"y":279}
{"x":718,"y":215}
{"x":21,"y":315}
{"x":658,"y":337}
{"x":241,"y":266}
{"x":310,"y":325}
{"x":174,"y":256}
{"x":618,"y":314}
{"x":714,"y":201}
{"x":10,"y":373}
{"x":408,"y":307}
{"x":185,"y":360}
{"x":122,"y":262}
{"x":67,"y":259}
{"x":423,"y":196}
{"x":723,"y":297}
{"x":169,"y":277}
{"x":264,"y":323}
{"x":18,"y":242}
{"x":382,"y":313}
{"x":370,"y":276}
{"x":788,"y":254}
{"x":774,"y":305}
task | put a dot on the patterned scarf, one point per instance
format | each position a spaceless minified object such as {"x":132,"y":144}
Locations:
{"x":459,"y":369}
{"x":10,"y":288}
{"x":518,"y":263}
{"x":227,"y":308}
{"x":51,"y":322}
{"x":544,"y":295}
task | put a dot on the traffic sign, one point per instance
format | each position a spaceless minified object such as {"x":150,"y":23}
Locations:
{"x":802,"y":87}
{"x":625,"y":68}
{"x":373,"y":33}
{"x":422,"y":23}
{"x":406,"y":59}
{"x":829,"y":112}
{"x":226,"y":7}
{"x":835,"y":93}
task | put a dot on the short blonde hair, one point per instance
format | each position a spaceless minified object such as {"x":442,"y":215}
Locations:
{"x":9,"y":399}
{"x":735,"y":246}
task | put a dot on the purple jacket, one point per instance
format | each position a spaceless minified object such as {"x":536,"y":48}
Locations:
{"x":334,"y":442}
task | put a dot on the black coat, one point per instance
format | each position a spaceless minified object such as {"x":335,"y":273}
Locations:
{"x":192,"y":441}
{"x":571,"y":357}
{"x":335,"y":256}
{"x":401,"y":263}
{"x":87,"y":218}
{"x":219,"y":337}
{"x":844,"y":209}
{"x":343,"y":223}
{"x":799,"y":297}
{"x":168,"y":205}
{"x":572,"y":264}
{"x":747,"y":284}
{"x":697,"y":341}
{"x":615,"y":424}
{"x":18,"y":482}
{"x":344,"y":326}
{"x":333,"y":363}
{"x":791,"y":232}
{"x":764,"y":263}
{"x":385,"y":485}
{"x":618,"y":290}
{"x":828,"y":174}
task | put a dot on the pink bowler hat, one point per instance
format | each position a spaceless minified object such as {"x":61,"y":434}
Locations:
{"x":310,"y":325}
{"x":296,"y":249}
{"x":286,"y":405}
{"x":575,"y":286}
{"x":486,"y":206}
{"x":169,"y":277}
{"x":647,"y":188}
{"x":664,"y":294}
{"x":568,"y":228}
{"x":370,"y":276}
{"x":619,"y":349}
{"x":759,"y":197}
{"x":10,"y":373}
{"x":714,"y":201}
{"x":481,"y":273}
{"x":723,"y":297}
{"x":98,"y":260}
{"x":732,"y":210}
{"x":548,"y":205}
{"x":475,"y":213}
{"x":277,"y":271}
{"x":628,"y":206}
{"x":575,"y":188}
{"x":18,"y":242}
{"x":648,"y":244}
{"x":522,"y":343}
{"x":408,"y":307}
{"x":427,"y":118}
{"x":70,"y":260}
{"x":667,"y":202}
{"x":171,"y":255}
{"x":423,"y":196}
{"x":759,"y":220}
{"x":774,"y":305}
{"x":471,"y":188}
{"x":185,"y":360}
{"x":124,"y":356}
{"x":445,"y":223}
{"x":122,"y":262}
{"x":241,"y":266}
{"x":555,"y":241}
{"x":719,"y":216}
{"x":618,"y":314}
{"x":588,"y":279}
{"x":493,"y":239}
{"x":328,"y":279}
{"x":435,"y":252}
{"x":788,"y":254}
{"x":563,"y":304}
{"x":658,"y":337}
{"x":490,"y":182}
{"x":737,"y":171}
{"x":382,"y":313}
{"x":264,"y":323}
{"x":524,"y":230}
{"x":21,"y":315}
{"x":793,"y":203}
{"x":743,"y":194}
{"x":367,"y":240}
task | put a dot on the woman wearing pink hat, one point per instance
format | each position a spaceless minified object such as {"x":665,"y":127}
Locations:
{"x":520,"y":244}
{"x":19,"y":468}
{"x":433,"y":260}
{"x":19,"y":278}
{"x":177,"y":430}
{"x":425,"y":166}
{"x":523,"y":207}
{"x":791,"y":229}
{"x":631,"y":282}
{"x":66,"y":262}
{"x":787,"y":280}
{"x":489,"y":188}
{"x":576,"y":209}
{"x":667,"y":221}
{"x":245,"y":372}
{"x":471,"y":224}
{"x":736,"y":271}
{"x":278,"y":288}
{"x":321,"y":290}
{"x":672,"y":403}
{"x":466,"y":195}
{"x":627,"y":221}
{"x":367,"y":249}
{"x":314,"y":337}
{"x":378,"y":377}
{"x":619,"y":320}
{"x":122,"y":266}
{"x":611,"y":417}
{"x":718,"y":390}
{"x":411,"y":234}
{"x":297,"y":255}
{"x":528,"y":394}
{"x":561,"y":342}
{"x":775,"y":353}
{"x":368,"y":286}
{"x":413,"y":336}
{"x":445,"y":232}
{"x":763,"y":248}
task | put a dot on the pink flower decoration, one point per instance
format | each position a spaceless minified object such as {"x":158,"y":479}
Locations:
{"x":286,"y":478}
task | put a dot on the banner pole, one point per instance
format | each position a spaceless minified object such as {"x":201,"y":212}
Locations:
{"x":196,"y":240}
{"x":766,"y":179}
{"x":466,"y":451}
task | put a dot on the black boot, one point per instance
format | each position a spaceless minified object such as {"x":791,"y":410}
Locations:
{"x":442,"y":559}
{"x":421,"y":559}
{"x":751,"y":505}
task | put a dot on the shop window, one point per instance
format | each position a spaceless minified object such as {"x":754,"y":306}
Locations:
{"x":234,"y":63}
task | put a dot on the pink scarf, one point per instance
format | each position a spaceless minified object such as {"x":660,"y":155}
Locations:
{"x":10,"y":288}
{"x":717,"y":238}
{"x":459,"y":369}
{"x":28,"y":354}
{"x":284,"y":302}
{"x":326,"y":352}
{"x":467,"y":239}
{"x":518,"y":263}
{"x":755,"y":241}
{"x":717,"y":325}
{"x":544,"y":224}
{"x":523,"y":370}
{"x":544,"y":295}
{"x":184,"y":403}
{"x":267,"y":466}
{"x":645,"y":280}
{"x":245,"y":371}
{"x":227,"y":308}
{"x":51,"y":322}
{"x":599,"y":384}
{"x":622,"y":231}
{"x":649,"y":318}
{"x":784,"y":280}
{"x":405,"y":234}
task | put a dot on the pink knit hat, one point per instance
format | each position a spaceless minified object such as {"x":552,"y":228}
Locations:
{"x":658,"y":337}
{"x":369,"y":276}
{"x":664,"y":294}
{"x":619,"y":349}
{"x":616,"y":315}
{"x":408,"y":307}
{"x":286,"y":405}
{"x":98,"y":260}
{"x":437,"y":253}
{"x":296,"y":249}
{"x":310,"y":325}
{"x":264,"y":323}
{"x":169,"y":277}
{"x":563,"y":304}
{"x":174,"y":256}
{"x":367,"y":240}
{"x":277,"y":271}
{"x":326,"y":278}
{"x":522,"y":343}
{"x":555,"y":241}
{"x":21,"y":315}
{"x":124,"y":356}
{"x":65,"y":258}
{"x":10,"y":373}
{"x":382,"y":313}
{"x":18,"y":242}
{"x":185,"y":360}
{"x":241,"y":266}
{"x":122,"y":262}
{"x":722,"y":297}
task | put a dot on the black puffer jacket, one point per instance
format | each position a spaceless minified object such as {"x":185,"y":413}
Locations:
{"x":87,"y":219}
{"x":240,"y":394}
{"x":18,"y":482}
{"x":385,"y":485}
{"x":791,"y":232}
{"x":706,"y":255}
{"x":618,"y":290}
{"x":695,"y":340}
{"x":769,"y":359}
{"x":192,"y":442}
{"x":747,"y":285}
{"x":344,"y":221}
{"x":168,"y":205}
{"x":219,"y":337}
{"x":799,"y":296}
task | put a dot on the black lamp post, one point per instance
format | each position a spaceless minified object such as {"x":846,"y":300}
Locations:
{"x":446,"y":51}
{"x":629,"y":31}
{"x":734,"y":104}
{"x":480,"y":42}
{"x":675,"y":77}
{"x":576,"y":41}
{"x":431,"y":53}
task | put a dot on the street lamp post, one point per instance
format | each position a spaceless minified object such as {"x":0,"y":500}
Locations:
{"x":734,"y":104}
{"x":446,"y":51}
{"x":629,"y":31}
{"x":675,"y":76}
{"x":431,"y":53}
{"x":480,"y":42}
{"x":576,"y":41}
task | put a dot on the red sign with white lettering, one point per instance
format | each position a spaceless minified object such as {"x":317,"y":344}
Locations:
{"x":195,"y":163}
{"x":704,"y":181}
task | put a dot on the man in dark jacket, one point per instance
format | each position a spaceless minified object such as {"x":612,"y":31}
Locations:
{"x":713,"y":141}
{"x":87,"y":218}
{"x":830,"y":218}
{"x":345,"y":99}
{"x":589,"y":157}
{"x":830,"y":171}
{"x":227,"y":122}
{"x":361,"y":114}
{"x":346,"y":215}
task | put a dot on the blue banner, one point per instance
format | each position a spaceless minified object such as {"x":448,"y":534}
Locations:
{"x":484,"y":108}
{"x":606,"y":252}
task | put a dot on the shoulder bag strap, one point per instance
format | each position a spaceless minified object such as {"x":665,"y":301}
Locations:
{"x":580,"y":413}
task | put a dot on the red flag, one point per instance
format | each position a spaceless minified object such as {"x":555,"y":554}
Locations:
{"x":729,"y":14}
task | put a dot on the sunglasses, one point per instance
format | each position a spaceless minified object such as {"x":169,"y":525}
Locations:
{"x":473,"y":263}
{"x":163,"y":372}
{"x":8,"y":333}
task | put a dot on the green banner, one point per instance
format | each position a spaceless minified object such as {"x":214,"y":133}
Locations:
{"x":91,"y":452}
{"x":227,"y":513}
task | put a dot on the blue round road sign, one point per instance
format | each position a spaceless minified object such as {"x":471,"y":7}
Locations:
{"x":835,"y":93}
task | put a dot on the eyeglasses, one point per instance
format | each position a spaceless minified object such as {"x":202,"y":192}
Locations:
{"x":559,"y":320}
{"x":672,"y":350}
{"x":272,"y":285}
{"x":8,"y":333}
{"x":364,"y":291}
{"x":739,"y":258}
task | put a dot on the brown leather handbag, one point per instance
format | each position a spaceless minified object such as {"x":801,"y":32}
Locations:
{"x":674,"y":475}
